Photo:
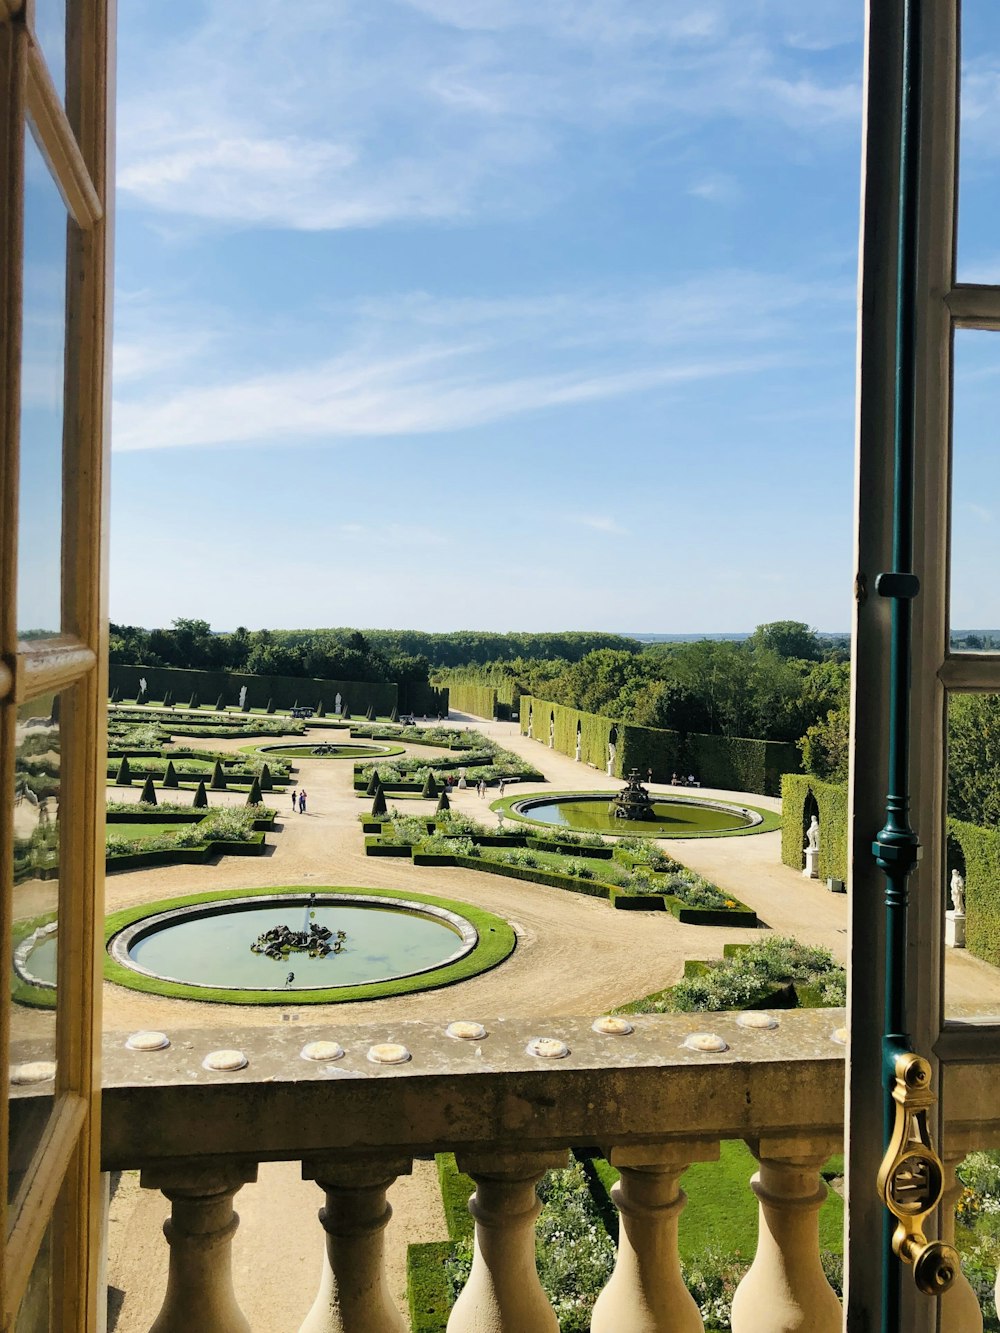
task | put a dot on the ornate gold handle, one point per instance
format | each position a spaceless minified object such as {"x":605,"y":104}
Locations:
{"x":911,"y":1179}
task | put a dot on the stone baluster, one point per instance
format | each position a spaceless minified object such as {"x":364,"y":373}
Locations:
{"x":353,"y":1294}
{"x":646,"y":1293}
{"x":503,"y":1293}
{"x":786,"y":1290}
{"x":960,"y":1312}
{"x":200,"y":1232}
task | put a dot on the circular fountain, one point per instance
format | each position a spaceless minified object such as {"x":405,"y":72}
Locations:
{"x":634,"y":810}
{"x":318,"y":945}
{"x":331,"y":750}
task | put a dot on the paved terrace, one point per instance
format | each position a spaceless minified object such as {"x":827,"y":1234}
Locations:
{"x":575,"y":956}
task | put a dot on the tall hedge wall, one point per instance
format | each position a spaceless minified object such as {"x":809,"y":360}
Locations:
{"x":980,"y":850}
{"x":480,"y":700}
{"x":425,"y":700}
{"x":284,"y":690}
{"x":831,"y":809}
{"x":735,"y":763}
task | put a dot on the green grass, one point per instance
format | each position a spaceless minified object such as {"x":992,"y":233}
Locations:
{"x":496,"y":943}
{"x":770,"y":819}
{"x":721,"y":1211}
{"x":137,"y":832}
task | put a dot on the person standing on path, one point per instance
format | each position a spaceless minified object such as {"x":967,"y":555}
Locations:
{"x":295,"y":802}
{"x":302,"y":801}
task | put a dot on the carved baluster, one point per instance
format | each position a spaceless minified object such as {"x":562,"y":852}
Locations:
{"x":960,"y":1312}
{"x":786,"y":1290}
{"x":503,"y":1294}
{"x":354,"y":1295}
{"x":200,"y":1232}
{"x":646,"y":1293}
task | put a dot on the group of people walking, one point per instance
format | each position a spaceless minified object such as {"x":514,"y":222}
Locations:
{"x":299,"y":801}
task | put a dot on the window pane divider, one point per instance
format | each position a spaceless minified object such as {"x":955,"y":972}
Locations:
{"x":50,"y":665}
{"x":58,"y":143}
{"x":979,"y":672}
{"x":974,"y":305}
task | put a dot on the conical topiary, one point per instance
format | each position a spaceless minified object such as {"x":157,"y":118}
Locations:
{"x":374,"y":783}
{"x":430,"y":787}
{"x":254,"y":796}
{"x":345,"y":714}
{"x":168,"y":698}
{"x":270,"y":706}
{"x":148,"y":794}
{"x":220,"y":704}
{"x":295,"y":704}
{"x":200,"y":801}
{"x":320,"y":710}
{"x":124,"y":775}
{"x":218,"y":782}
{"x":114,"y":696}
{"x":194,"y":701}
{"x":443,"y":802}
{"x":370,"y":713}
{"x":265,"y":779}
{"x":379,"y":806}
{"x":394,"y":715}
{"x":170,"y":776}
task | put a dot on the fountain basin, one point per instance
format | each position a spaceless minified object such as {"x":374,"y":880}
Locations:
{"x":673,"y":816}
{"x":331,"y":750}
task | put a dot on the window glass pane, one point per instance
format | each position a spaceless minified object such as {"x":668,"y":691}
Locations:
{"x":50,"y":29}
{"x":975,"y":512}
{"x":35,"y":1313}
{"x":34,"y":939}
{"x":979,"y":143}
{"x":42,"y":380}
{"x":969,"y":892}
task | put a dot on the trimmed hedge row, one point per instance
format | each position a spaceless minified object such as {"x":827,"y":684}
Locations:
{"x":732,"y":763}
{"x":976,"y":852}
{"x":283,"y":691}
{"x":479,"y":700}
{"x":801,"y":797}
{"x":182,"y":856}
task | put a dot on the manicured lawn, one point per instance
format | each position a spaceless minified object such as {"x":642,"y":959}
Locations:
{"x":136,"y":832}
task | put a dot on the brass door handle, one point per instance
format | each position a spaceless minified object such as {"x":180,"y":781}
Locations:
{"x":911,"y":1180}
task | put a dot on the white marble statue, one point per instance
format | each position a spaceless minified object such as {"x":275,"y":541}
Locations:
{"x":552,"y":732}
{"x":243,"y":698}
{"x":958,"y":892}
{"x":142,"y":684}
{"x":812,"y":836}
{"x":612,"y":753}
{"x":337,"y":704}
{"x":579,"y":748}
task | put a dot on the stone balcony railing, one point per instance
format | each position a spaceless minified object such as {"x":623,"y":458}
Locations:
{"x":509,"y":1110}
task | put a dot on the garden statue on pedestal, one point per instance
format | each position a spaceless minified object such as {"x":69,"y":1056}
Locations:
{"x":337,"y":702}
{"x":552,"y":732}
{"x":954,"y":920}
{"x":612,"y":753}
{"x":811,"y":868}
{"x":243,"y":698}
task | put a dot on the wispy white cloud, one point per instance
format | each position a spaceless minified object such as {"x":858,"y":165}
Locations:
{"x":357,"y":117}
{"x":716,"y":187}
{"x":599,"y":523}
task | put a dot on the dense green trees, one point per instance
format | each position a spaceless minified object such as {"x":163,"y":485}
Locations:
{"x":974,"y":758}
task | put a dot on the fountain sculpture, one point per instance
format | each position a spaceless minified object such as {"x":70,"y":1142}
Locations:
{"x":633,"y":802}
{"x":316,"y":941}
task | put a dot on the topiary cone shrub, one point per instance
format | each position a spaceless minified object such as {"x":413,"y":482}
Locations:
{"x":270,"y":706}
{"x":443,"y":802}
{"x":168,"y":698}
{"x":394,"y":715}
{"x":220,"y":704}
{"x":265,"y":779}
{"x":345,"y":715}
{"x":170,"y":776}
{"x":370,"y":713}
{"x":430,"y":787}
{"x":374,"y":783}
{"x":200,"y":801}
{"x":194,"y":701}
{"x":254,"y":796}
{"x":114,"y":696}
{"x":124,"y":775}
{"x":295,"y":704}
{"x":218,"y":782}
{"x":320,"y":709}
{"x":148,"y":794}
{"x":379,"y":806}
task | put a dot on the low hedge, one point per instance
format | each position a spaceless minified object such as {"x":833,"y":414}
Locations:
{"x":182,"y":856}
{"x":798,"y":793}
{"x":428,"y":1290}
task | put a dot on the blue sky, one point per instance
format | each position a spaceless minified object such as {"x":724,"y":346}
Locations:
{"x":493,"y":313}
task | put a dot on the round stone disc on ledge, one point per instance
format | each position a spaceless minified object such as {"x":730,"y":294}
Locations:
{"x":613,"y":1026}
{"x":322,"y":1051}
{"x":547,"y":1048}
{"x":840,"y":1036}
{"x":705,"y":1041}
{"x":221,"y":1062}
{"x":388,"y":1053}
{"x":756,"y":1018}
{"x":35,"y":1071}
{"x":148,"y":1041}
{"x":465,"y":1031}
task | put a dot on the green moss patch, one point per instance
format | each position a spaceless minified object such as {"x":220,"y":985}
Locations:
{"x":496,"y":943}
